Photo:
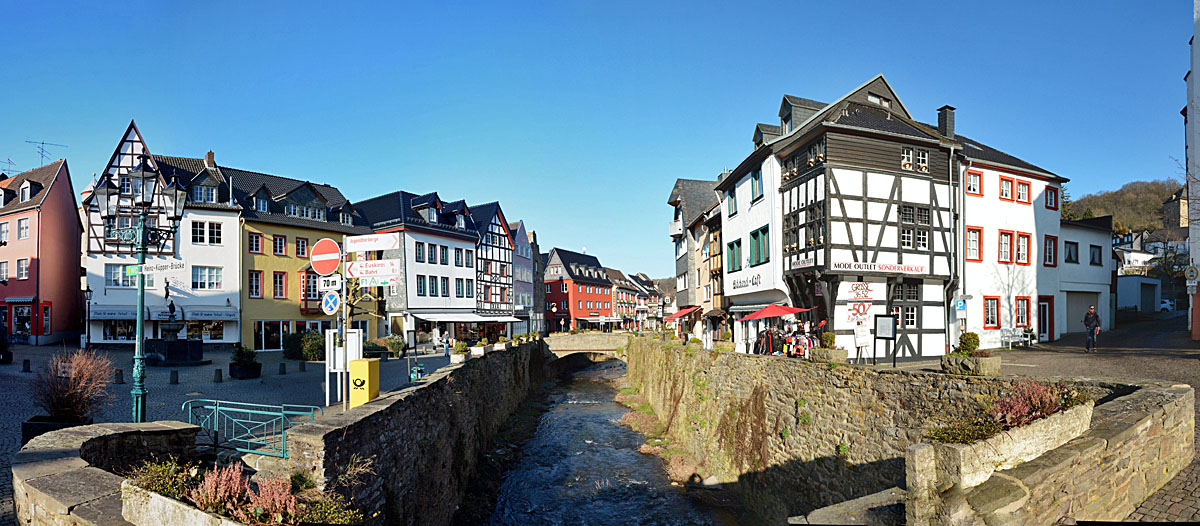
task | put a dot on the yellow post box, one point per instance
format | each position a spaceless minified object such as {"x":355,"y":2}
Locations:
{"x":364,"y":381}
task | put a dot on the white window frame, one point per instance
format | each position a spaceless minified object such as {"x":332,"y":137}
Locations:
{"x":973,"y":183}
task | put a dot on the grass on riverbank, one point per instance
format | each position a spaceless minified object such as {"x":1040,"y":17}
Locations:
{"x":680,"y":466}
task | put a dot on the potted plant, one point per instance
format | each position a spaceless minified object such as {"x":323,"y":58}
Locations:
{"x":244,"y":364}
{"x":459,"y":355}
{"x":480,"y":347}
{"x":70,"y":388}
{"x":501,"y":343}
{"x":829,"y":352}
{"x":397,"y":345}
{"x":970,"y":359}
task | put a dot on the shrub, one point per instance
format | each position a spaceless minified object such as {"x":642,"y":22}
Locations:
{"x":329,"y":509}
{"x":73,"y":385}
{"x":165,"y":477}
{"x":243,"y":355}
{"x":828,"y":339}
{"x":695,"y":340}
{"x":483,"y":342}
{"x":396,"y":344}
{"x":966,"y":432}
{"x":1027,"y":402}
{"x":501,"y":339}
{"x":272,"y":502}
{"x":221,"y":491}
{"x":726,"y":336}
{"x":293,"y":346}
{"x":312,"y":346}
{"x":301,"y":481}
{"x":460,"y":347}
{"x":967,"y":342}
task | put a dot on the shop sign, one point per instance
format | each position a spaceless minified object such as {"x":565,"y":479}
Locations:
{"x":803,"y":262}
{"x":865,"y":266}
{"x":752,"y":281}
{"x":860,"y":297}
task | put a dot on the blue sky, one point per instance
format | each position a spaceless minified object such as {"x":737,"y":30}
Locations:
{"x":579,"y":116}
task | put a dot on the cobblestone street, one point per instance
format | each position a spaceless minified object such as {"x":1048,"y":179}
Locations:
{"x":165,"y":400}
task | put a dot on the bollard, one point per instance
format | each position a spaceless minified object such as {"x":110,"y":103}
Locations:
{"x":25,"y":366}
{"x":119,"y":376}
{"x":282,"y":368}
{"x":216,"y":376}
{"x":303,"y":366}
{"x":174,"y":377}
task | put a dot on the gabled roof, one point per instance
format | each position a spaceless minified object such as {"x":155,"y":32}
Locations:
{"x":397,"y":209}
{"x":579,"y":267}
{"x":191,"y":171}
{"x":245,"y":183}
{"x":973,"y":149}
{"x":694,"y":196}
{"x":42,"y":177}
{"x":483,"y":215}
{"x":619,"y":280}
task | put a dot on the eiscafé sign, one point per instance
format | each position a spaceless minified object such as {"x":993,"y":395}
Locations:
{"x":855,"y":266}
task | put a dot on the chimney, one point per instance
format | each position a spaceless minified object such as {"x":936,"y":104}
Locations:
{"x":209,"y":161}
{"x":946,"y":121}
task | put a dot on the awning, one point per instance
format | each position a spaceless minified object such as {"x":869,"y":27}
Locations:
{"x":683,"y":313}
{"x":715,"y":313}
{"x":774,"y":311}
{"x":499,"y":319}
{"x":114,"y":312}
{"x":451,"y":317}
{"x":19,"y":299}
{"x":747,"y":308}
{"x":209,"y":313}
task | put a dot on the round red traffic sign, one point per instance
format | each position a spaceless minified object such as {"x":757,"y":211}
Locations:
{"x":325,"y":256}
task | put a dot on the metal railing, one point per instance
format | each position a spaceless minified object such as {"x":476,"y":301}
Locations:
{"x":249,"y":428}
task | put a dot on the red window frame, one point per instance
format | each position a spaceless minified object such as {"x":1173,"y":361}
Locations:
{"x":1017,"y":309}
{"x":967,"y":188}
{"x":1028,"y":248}
{"x":249,"y":289}
{"x":1028,"y":192}
{"x":1050,"y":190}
{"x":969,"y":230}
{"x":1012,"y":239}
{"x":285,"y":286}
{"x":1012,"y":189}
{"x":1054,"y":250}
{"x":297,"y":249}
{"x":254,"y":235}
{"x":273,"y":244}
{"x":985,"y":323}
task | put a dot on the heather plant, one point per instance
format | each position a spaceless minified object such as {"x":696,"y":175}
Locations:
{"x":222,"y":491}
{"x":73,"y":385}
{"x":272,"y":502}
{"x":1027,"y":402}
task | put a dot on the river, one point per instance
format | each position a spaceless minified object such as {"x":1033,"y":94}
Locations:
{"x":582,"y":467}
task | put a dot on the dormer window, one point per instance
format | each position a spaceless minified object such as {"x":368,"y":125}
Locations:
{"x":25,"y":192}
{"x":431,"y":215}
{"x":460,"y":221}
{"x":292,"y":210}
{"x":346,"y":219}
{"x":204,"y":194}
{"x":260,"y":205}
{"x":878,"y":100}
{"x":786,"y":125}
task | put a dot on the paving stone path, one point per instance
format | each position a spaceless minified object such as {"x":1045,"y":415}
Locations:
{"x":164,"y":400}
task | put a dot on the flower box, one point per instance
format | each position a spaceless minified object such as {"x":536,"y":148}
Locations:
{"x":967,"y":465}
{"x":458,"y":357}
{"x":989,"y":366}
{"x":478,"y":351}
{"x":142,"y":507}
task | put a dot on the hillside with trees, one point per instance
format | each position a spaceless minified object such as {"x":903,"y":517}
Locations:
{"x":1136,"y":206}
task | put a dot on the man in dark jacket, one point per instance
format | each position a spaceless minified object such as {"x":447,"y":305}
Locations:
{"x":1091,"y":323}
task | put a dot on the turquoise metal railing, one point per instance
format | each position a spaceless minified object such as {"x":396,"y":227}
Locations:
{"x":249,"y":428}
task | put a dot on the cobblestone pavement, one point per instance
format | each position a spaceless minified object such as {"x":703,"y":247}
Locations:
{"x":164,"y":400}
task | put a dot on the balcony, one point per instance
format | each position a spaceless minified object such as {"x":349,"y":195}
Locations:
{"x":676,"y":228}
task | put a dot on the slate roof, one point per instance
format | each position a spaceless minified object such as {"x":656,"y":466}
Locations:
{"x":43,"y":177}
{"x":580,"y":267}
{"x":398,"y":209}
{"x":694,"y":196}
{"x":245,"y":183}
{"x":619,"y":280}
{"x":982,"y":152}
{"x":190,"y":169}
{"x":805,"y":103}
{"x":879,"y":119}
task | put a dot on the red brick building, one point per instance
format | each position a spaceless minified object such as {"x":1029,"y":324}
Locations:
{"x":578,"y":293}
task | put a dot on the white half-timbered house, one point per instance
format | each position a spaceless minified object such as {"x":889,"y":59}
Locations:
{"x":494,"y":270}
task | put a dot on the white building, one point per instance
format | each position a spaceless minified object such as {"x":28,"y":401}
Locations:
{"x":1085,"y":276}
{"x":204,"y":258}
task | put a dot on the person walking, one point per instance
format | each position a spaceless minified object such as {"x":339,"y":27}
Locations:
{"x":1091,"y":322}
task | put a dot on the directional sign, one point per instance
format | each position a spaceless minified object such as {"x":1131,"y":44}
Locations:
{"x":379,"y":281}
{"x":373,"y":242}
{"x":376,"y":268}
{"x":330,"y":302}
{"x":149,"y":269}
{"x":325,"y":256}
{"x":330,"y":282}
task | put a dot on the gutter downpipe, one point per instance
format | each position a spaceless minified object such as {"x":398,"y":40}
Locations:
{"x":956,"y":269}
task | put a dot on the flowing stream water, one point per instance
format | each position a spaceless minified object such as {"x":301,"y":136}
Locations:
{"x":582,"y":467}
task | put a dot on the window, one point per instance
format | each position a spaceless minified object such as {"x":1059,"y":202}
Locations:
{"x":292,"y":210}
{"x":1022,"y":192}
{"x":206,"y":278}
{"x":310,"y":286}
{"x":433,"y":286}
{"x":254,"y":243}
{"x":906,"y":158}
{"x":1070,"y":252}
{"x":1052,"y":198}
{"x":589,"y":304}
{"x":760,"y":248}
{"x":419,"y":254}
{"x":1022,"y":313}
{"x":607,"y":305}
{"x":3,"y":273}
{"x":581,"y":304}
{"x":906,"y":238}
{"x":906,"y":214}
{"x":547,"y":288}
{"x":260,"y":204}
{"x":279,"y":280}
{"x":471,"y":290}
{"x":458,"y":287}
{"x":4,"y":231}
{"x":910,"y":317}
{"x":975,"y":183}
{"x":470,"y":258}
{"x":23,"y":269}
{"x":126,"y":184}
{"x":1006,"y":189}
{"x":301,"y":247}
{"x":458,"y":257}
{"x":1006,"y":247}
{"x":991,"y":312}
{"x":420,"y":285}
{"x":503,"y":267}
{"x":24,"y":193}
{"x":255,"y":283}
{"x":923,"y":239}
{"x":115,"y":275}
{"x":214,"y":233}
{"x":878,"y":100}
{"x":445,"y":287}
{"x":444,"y":251}
{"x":204,"y":194}
{"x":279,"y":245}
{"x":756,"y":186}
{"x":1023,"y":249}
{"x":346,"y":219}
{"x":734,"y":256}
{"x":923,"y":216}
{"x":1094,"y":256}
{"x":922,"y":161}
{"x":731,"y":200}
{"x":1050,"y":251}
{"x":23,"y":228}
{"x":198,"y":232}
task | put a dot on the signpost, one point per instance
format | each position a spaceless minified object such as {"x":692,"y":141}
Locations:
{"x":379,"y":281}
{"x":885,"y":329}
{"x":960,"y":308}
{"x":374,"y":268}
{"x":150,"y":269}
{"x":373,"y":242}
{"x":329,"y":283}
{"x":325,"y":256}
{"x":330,"y":302}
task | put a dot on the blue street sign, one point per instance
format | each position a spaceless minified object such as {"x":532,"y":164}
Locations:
{"x":960,"y":304}
{"x":330,"y":302}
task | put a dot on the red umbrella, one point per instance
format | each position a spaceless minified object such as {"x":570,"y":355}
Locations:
{"x":773,"y":311}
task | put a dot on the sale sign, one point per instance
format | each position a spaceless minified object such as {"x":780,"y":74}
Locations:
{"x":860,"y":297}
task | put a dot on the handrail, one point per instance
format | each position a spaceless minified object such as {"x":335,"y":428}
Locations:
{"x":258,"y":428}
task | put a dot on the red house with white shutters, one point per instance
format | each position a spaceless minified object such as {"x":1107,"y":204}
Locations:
{"x":578,"y":292}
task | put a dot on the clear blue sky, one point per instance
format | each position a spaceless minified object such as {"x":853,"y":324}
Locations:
{"x":578,"y":116}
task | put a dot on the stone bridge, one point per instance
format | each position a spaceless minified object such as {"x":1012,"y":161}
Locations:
{"x":609,"y":344}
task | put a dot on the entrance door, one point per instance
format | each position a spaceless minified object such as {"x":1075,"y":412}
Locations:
{"x":1045,"y":317}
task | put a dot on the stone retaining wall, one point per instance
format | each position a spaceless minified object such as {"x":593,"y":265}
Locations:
{"x":588,"y":341}
{"x":67,"y":476}
{"x":424,"y":439}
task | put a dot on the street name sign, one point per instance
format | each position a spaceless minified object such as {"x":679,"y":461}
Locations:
{"x":330,"y":302}
{"x":167,"y":267}
{"x":373,"y":242}
{"x":373,"y":268}
{"x":330,"y":282}
{"x":325,"y":256}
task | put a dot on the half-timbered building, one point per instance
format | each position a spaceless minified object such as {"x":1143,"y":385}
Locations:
{"x":494,"y":272}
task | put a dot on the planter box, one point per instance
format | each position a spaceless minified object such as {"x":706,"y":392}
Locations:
{"x":145,"y":508}
{"x":829,"y":355}
{"x":967,"y":465}
{"x":457,"y":358}
{"x":40,"y":425}
{"x":989,"y":366}
{"x":245,"y":372}
{"x":477,"y":351}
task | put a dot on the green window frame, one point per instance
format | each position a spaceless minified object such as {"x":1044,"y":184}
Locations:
{"x":731,"y":198}
{"x":760,"y":248}
{"x":756,"y":186}
{"x":734,"y":253}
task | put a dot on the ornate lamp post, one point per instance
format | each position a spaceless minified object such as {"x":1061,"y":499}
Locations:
{"x":144,"y":183}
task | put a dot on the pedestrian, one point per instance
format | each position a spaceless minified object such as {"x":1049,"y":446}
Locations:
{"x":1091,"y":323}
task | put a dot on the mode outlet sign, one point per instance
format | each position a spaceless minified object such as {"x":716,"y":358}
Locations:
{"x":330,"y":282}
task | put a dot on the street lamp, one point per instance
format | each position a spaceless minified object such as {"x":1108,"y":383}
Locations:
{"x":87,"y":323}
{"x":144,"y":182}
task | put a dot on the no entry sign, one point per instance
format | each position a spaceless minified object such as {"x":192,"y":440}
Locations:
{"x":325,"y":256}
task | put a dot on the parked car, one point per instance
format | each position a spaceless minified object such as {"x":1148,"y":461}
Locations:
{"x":1166,"y":306}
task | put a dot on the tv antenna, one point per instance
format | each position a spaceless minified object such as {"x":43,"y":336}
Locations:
{"x":8,"y":166}
{"x":42,"y":151}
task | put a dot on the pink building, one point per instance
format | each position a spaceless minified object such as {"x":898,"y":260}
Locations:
{"x":39,"y":255}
